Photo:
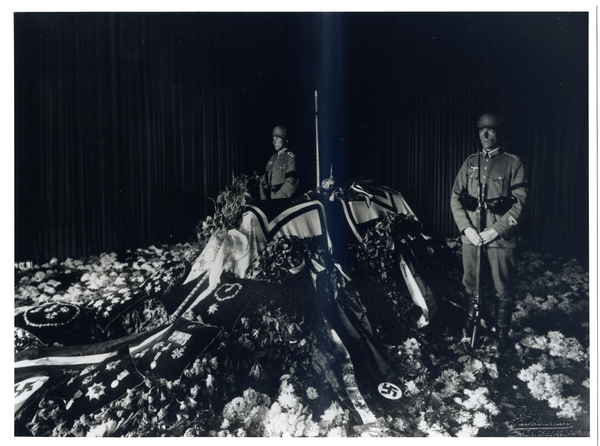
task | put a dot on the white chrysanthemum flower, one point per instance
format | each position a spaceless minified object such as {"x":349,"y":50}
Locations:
{"x":561,"y":346}
{"x":311,"y":393}
{"x":555,"y":401}
{"x":477,"y":365}
{"x":571,"y":407}
{"x":277,"y":423}
{"x":411,"y":387}
{"x":449,"y":390}
{"x":240,"y":432}
{"x":480,"y":420}
{"x":450,"y":375}
{"x":467,"y":430}
{"x":476,"y":399}
{"x":435,"y":430}
{"x":311,"y":429}
{"x":463,"y":417}
{"x":491,"y":408}
{"x":530,"y":373}
{"x":336,"y":432}
{"x":411,"y":346}
{"x":331,"y":412}
{"x":288,"y":400}
{"x":537,"y":342}
{"x":468,"y":376}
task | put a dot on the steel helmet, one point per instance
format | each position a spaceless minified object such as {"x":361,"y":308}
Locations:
{"x":281,"y":132}
{"x":491,"y":120}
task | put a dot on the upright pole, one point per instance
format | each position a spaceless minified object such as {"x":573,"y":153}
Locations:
{"x":480,"y":227}
{"x":317,"y":140}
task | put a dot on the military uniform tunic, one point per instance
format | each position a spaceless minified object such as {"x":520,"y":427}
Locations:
{"x":281,"y":176}
{"x":504,"y":175}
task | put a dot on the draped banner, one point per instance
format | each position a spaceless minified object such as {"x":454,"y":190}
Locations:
{"x":373,"y":204}
{"x":64,"y":372}
{"x":307,"y":219}
{"x":216,"y":290}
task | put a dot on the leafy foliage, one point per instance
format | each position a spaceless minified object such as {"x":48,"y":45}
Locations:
{"x":281,"y":257}
{"x":229,"y":206}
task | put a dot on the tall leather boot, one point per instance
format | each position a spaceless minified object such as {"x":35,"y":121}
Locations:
{"x":503,"y":315}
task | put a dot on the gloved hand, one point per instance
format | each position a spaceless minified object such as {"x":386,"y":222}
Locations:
{"x":473,"y":235}
{"x":488,"y":235}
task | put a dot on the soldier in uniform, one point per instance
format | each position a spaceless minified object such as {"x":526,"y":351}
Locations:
{"x":505,"y":207}
{"x":280,"y":179}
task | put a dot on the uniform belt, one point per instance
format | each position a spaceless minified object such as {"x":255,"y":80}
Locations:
{"x":498,"y":206}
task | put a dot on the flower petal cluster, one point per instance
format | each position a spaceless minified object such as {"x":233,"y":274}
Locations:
{"x":288,"y":417}
{"x":549,"y":387}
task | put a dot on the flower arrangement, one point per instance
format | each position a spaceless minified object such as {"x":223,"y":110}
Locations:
{"x":552,"y":368}
{"x":267,"y":375}
{"x":229,"y":207}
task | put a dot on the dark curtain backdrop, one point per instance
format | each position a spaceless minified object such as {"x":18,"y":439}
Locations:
{"x":126,"y":124}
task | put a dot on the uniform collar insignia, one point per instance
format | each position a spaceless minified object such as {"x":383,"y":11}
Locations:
{"x":491,"y":153}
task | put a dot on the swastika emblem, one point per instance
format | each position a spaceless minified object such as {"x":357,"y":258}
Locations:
{"x":389,"y":391}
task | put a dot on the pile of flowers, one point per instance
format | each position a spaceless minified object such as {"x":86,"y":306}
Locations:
{"x":266,"y":376}
{"x":88,"y":282}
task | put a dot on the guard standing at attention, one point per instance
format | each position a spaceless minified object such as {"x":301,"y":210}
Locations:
{"x":503,"y":178}
{"x":280,"y":179}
